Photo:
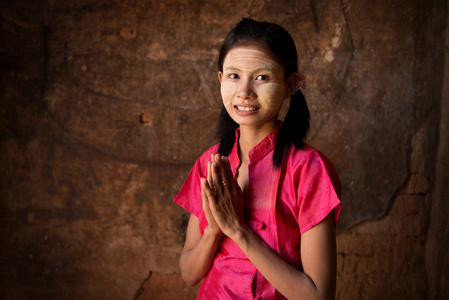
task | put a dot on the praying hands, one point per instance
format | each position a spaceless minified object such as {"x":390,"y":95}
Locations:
{"x":223,"y":202}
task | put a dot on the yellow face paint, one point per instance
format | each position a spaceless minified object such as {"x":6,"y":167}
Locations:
{"x":228,"y":90}
{"x":271,"y":95}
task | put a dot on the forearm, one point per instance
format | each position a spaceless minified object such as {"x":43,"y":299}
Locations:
{"x":196,"y":262}
{"x":289,"y":281}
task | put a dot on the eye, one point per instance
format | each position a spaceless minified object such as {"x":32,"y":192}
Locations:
{"x":233,"y":76}
{"x":262,"y":77}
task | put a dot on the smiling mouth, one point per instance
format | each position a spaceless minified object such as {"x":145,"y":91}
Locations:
{"x":246,"y":108}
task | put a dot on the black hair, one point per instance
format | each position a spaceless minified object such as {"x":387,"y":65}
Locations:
{"x":281,"y":45}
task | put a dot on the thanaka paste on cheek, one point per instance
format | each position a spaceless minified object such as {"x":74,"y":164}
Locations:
{"x":228,"y":90}
{"x":271,"y":95}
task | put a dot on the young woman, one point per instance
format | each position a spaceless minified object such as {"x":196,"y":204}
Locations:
{"x":263,"y":203}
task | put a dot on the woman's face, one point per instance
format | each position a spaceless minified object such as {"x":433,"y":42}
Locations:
{"x":253,"y":86}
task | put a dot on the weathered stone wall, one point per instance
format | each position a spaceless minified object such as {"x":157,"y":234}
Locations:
{"x":105,"y":105}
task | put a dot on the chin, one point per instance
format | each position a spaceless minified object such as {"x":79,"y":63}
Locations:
{"x":254,"y":122}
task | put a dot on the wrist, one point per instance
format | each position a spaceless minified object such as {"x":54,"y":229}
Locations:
{"x":211,"y":232}
{"x":241,"y":236}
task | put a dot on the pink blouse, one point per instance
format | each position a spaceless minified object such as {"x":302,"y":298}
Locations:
{"x":281,"y":205}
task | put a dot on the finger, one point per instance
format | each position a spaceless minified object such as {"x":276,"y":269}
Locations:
{"x":227,"y":166}
{"x":203,"y":186}
{"x":203,"y":195}
{"x":209,"y":173}
{"x":207,"y":186}
{"x":208,"y":200}
{"x":226,"y":175}
{"x":216,"y":177}
{"x":223,"y":174}
{"x":232,"y":180}
{"x":209,"y":194}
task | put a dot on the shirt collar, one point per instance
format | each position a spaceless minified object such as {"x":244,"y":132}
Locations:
{"x":260,"y":150}
{"x":265,"y":146}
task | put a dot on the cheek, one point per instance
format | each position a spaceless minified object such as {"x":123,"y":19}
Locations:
{"x":228,"y":90}
{"x":271,"y":95}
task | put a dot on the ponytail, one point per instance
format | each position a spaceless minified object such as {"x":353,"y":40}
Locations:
{"x":295,"y":128}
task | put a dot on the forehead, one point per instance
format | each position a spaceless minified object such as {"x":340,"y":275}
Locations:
{"x":250,"y":56}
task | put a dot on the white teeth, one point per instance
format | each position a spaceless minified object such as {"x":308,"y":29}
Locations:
{"x":245,"y":108}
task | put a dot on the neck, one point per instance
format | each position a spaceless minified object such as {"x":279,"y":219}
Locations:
{"x":250,"y":136}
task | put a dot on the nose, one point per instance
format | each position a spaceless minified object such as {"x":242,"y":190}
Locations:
{"x":245,"y":90}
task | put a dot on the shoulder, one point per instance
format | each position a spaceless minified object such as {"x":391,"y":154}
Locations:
{"x":306,"y":155}
{"x":313,"y":165}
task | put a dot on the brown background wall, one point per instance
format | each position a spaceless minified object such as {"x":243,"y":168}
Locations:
{"x":87,"y":187}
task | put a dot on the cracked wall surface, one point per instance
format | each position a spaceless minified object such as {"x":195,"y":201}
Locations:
{"x":105,"y":105}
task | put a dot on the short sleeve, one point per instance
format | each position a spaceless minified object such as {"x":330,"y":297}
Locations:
{"x":319,"y":191}
{"x":189,"y":196}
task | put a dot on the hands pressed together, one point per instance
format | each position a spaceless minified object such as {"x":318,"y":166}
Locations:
{"x":223,"y":202}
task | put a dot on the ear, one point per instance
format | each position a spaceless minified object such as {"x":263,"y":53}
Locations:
{"x":220,"y":76}
{"x":291,"y":83}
